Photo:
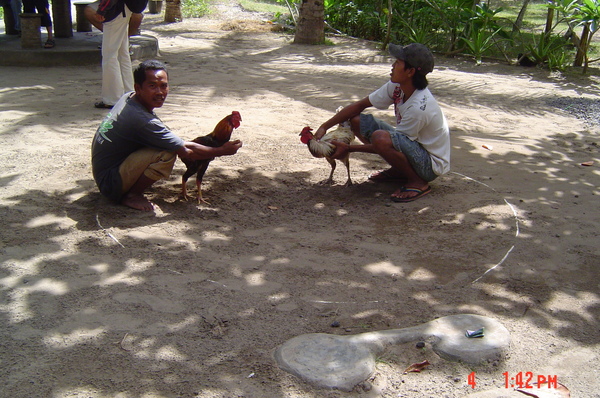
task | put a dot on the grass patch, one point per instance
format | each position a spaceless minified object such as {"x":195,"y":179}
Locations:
{"x":271,"y":7}
{"x":195,"y":8}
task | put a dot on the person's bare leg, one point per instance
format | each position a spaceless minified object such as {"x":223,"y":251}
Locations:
{"x":135,"y":198}
{"x":134,"y":23}
{"x":390,"y":173}
{"x":382,"y":143}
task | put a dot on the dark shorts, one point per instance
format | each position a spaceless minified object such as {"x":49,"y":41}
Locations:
{"x":417,"y":156}
{"x":42,"y":7}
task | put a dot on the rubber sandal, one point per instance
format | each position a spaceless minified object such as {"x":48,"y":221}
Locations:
{"x":420,"y":193}
{"x":102,"y":105}
{"x":49,"y":43}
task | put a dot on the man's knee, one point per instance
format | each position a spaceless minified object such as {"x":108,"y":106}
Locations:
{"x":381,"y":139}
{"x":162,"y":166}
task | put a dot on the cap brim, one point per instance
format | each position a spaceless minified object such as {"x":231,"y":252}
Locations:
{"x":397,"y":52}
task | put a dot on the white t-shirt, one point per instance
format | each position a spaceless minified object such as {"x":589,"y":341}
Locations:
{"x":421,"y":119}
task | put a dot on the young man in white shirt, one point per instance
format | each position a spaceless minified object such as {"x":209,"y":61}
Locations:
{"x":418,"y":148}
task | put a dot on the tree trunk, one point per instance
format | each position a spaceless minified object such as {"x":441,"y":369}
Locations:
{"x":520,"y":17}
{"x":311,"y":23}
{"x":173,"y":11}
{"x":583,"y":46}
{"x":388,"y":32}
{"x":61,"y":18}
{"x":549,"y":20}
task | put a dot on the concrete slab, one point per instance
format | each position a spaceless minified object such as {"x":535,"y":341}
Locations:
{"x":81,"y":49}
{"x":341,"y":362}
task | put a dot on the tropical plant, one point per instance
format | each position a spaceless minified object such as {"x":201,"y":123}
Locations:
{"x":480,"y":33}
{"x":359,"y":18}
{"x":584,"y":14}
{"x":469,"y":26}
{"x":546,"y":46}
{"x":418,"y":32}
{"x":415,"y":21}
{"x":454,"y":15}
{"x":479,"y":41}
{"x":558,"y":60}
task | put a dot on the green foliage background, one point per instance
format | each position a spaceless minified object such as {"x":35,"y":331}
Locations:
{"x":480,"y":29}
{"x":469,"y":27}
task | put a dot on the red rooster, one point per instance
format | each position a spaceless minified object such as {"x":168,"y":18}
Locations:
{"x":219,"y":136}
{"x":323,"y":148}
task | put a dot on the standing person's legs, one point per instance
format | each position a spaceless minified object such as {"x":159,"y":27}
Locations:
{"x":16,"y":9}
{"x":114,"y":37}
{"x":125,"y":59}
{"x":43,"y":8}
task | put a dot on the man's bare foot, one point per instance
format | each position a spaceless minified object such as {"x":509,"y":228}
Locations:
{"x":138,"y":202}
{"x":408,"y":194}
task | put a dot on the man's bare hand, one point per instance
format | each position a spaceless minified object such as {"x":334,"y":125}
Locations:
{"x":231,"y":147}
{"x":320,"y":133}
{"x":341,"y":150}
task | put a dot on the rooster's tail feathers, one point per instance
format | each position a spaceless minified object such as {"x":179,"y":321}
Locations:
{"x":345,"y":123}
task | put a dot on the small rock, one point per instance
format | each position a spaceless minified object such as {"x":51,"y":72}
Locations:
{"x":367,"y":386}
{"x":335,"y":324}
{"x":420,"y":344}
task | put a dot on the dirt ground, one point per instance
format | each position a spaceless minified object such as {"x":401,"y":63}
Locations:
{"x":98,"y":300}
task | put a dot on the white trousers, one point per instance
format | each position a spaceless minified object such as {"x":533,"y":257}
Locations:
{"x":117,"y":74}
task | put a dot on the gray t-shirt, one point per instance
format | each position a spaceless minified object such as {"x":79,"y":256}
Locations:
{"x":127,"y":128}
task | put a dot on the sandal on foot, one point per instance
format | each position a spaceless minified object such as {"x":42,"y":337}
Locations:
{"x":420,"y":193}
{"x":102,"y":105}
{"x":385,"y":176}
{"x":49,"y":43}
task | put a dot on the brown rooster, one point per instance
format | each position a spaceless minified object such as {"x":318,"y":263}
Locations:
{"x":220,"y":135}
{"x":323,"y":148}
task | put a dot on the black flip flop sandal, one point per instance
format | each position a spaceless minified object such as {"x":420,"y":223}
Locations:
{"x":102,"y":105}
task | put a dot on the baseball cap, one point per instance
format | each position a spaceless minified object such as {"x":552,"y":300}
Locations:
{"x":416,"y":54}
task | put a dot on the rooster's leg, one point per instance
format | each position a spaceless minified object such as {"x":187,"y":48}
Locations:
{"x":330,"y":179}
{"x":200,"y":198}
{"x":183,"y":193}
{"x":346,"y":161}
{"x":199,"y":177}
